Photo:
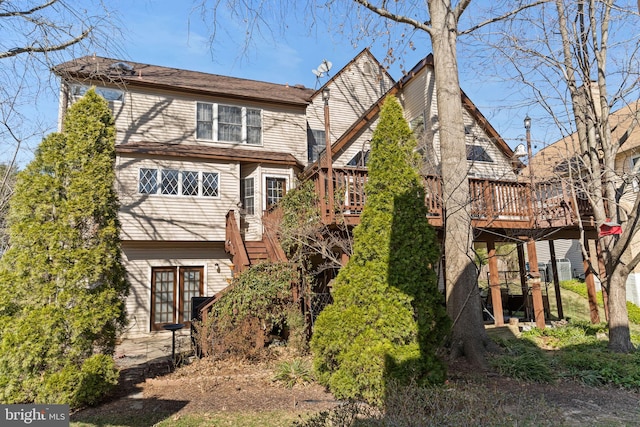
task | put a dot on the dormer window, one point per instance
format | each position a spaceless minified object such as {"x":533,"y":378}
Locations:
{"x":228,"y":123}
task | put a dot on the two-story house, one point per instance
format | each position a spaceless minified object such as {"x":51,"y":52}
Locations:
{"x":201,"y":158}
{"x":192,"y":147}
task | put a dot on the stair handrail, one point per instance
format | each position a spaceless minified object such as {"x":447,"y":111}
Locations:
{"x":235,"y":245}
{"x":270,"y":219}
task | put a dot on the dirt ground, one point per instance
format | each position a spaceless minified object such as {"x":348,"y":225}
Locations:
{"x":230,"y":386}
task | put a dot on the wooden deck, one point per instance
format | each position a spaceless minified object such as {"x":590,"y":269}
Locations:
{"x":494,"y":203}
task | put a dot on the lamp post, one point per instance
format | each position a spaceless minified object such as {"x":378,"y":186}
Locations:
{"x":527,"y":127}
{"x":327,"y":140}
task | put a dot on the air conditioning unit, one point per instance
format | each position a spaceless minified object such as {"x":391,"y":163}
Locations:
{"x":564,"y":269}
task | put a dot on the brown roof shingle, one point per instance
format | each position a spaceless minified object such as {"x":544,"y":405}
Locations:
{"x":116,"y":71}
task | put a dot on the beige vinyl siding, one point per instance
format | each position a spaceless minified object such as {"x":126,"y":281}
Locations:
{"x":500,"y":168}
{"x":352,"y":92}
{"x":419,"y":97}
{"x":140,"y":257}
{"x":363,"y":142}
{"x":169,"y":117}
{"x":174,"y":217}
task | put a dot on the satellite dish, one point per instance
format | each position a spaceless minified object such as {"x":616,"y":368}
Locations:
{"x":520,"y":151}
{"x":325,"y":66}
{"x":322,"y":70}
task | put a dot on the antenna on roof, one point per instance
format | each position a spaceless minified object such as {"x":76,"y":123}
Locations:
{"x":322,"y":69}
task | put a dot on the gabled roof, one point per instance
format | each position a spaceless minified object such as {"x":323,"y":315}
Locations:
{"x":115,"y":71}
{"x":240,"y":155}
{"x":371,"y":114}
{"x":364,"y":52}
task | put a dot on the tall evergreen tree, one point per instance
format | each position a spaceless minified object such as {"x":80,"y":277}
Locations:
{"x":62,"y":283}
{"x":388,"y":318}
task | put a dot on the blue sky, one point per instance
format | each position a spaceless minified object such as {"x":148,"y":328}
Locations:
{"x":171,"y":33}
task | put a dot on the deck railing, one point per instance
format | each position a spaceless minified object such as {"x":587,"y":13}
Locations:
{"x":494,"y":203}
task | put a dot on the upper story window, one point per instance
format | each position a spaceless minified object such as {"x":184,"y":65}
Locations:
{"x":477,"y":153}
{"x":178,"y":183}
{"x":417,"y":125}
{"x":228,"y":123}
{"x":108,"y":94}
{"x":315,"y":143}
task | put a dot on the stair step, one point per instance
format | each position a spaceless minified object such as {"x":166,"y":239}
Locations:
{"x":256,"y":250}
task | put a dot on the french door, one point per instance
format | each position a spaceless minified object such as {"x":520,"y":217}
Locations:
{"x":171,"y":291}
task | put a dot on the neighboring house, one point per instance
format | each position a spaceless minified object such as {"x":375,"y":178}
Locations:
{"x":202,"y":158}
{"x":552,"y":164}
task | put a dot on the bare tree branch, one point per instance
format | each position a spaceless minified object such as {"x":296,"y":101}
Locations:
{"x":385,"y":13}
{"x":28,"y":12}
{"x":43,"y":49}
{"x":502,"y":17}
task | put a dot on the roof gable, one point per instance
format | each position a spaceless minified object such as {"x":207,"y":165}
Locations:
{"x":364,"y":52}
{"x":372,"y":113}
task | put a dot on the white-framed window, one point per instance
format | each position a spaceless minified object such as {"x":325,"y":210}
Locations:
{"x":210,"y":184}
{"x":276,"y":188}
{"x":109,"y":94}
{"x":178,"y":183}
{"x":190,"y":180}
{"x":228,"y":123}
{"x":169,"y":181}
{"x":315,"y":143}
{"x":247,"y":193}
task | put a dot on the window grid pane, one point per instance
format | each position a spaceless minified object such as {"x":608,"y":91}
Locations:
{"x":254,"y":126}
{"x":229,"y":123}
{"x":169,"y":181}
{"x":209,"y":184}
{"x":148,"y":181}
{"x":190,"y":183}
{"x":275,"y":190}
{"x":204,"y":128}
{"x":247,"y":190}
{"x":191,"y":279}
{"x":164,"y":297}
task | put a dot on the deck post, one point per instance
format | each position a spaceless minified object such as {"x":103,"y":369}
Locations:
{"x":591,"y":285}
{"x":494,"y":284}
{"x":523,"y":281}
{"x":534,"y":281}
{"x":556,"y":279}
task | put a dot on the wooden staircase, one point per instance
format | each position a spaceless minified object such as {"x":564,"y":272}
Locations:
{"x":247,"y":253}
{"x":257,"y":252}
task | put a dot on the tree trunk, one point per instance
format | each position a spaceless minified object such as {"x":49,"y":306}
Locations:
{"x":468,"y":336}
{"x":619,"y":335}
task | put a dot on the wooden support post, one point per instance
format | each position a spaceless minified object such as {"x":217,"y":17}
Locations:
{"x":556,"y":279}
{"x":534,"y":281}
{"x":603,"y":277}
{"x":494,"y":284}
{"x":591,"y":286}
{"x":523,"y":282}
